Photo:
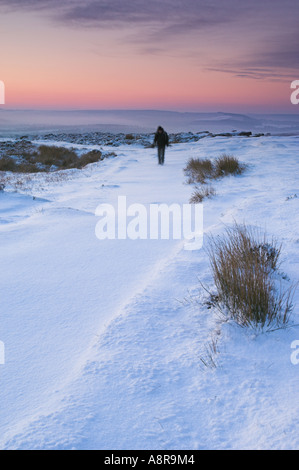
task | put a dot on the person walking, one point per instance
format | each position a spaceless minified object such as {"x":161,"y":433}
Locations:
{"x":161,"y":141}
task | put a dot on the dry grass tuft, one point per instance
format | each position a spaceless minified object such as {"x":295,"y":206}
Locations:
{"x":7,"y":164}
{"x":228,"y":165}
{"x":243,"y":265}
{"x":48,"y":158}
{"x":199,"y":194}
{"x":198,"y":171}
{"x":91,"y":157}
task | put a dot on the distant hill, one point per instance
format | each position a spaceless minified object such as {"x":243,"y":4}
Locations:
{"x":38,"y":121}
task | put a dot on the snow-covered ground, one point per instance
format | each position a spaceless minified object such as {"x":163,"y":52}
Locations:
{"x":104,"y":340}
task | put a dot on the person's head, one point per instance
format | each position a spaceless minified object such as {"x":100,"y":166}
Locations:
{"x":160,"y":129}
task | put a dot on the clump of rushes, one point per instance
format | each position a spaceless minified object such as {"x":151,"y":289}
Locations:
{"x":199,"y":170}
{"x":47,"y":158}
{"x":228,"y":165}
{"x":201,"y":193}
{"x":243,"y":265}
{"x":91,"y":157}
{"x":7,"y":164}
{"x":59,"y":157}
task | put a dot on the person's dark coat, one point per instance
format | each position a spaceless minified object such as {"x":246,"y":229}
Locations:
{"x":161,"y":138}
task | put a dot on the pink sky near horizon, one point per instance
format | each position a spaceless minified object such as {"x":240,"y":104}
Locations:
{"x":54,"y":66}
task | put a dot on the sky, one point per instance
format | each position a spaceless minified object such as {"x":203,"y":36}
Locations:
{"x":191,"y":55}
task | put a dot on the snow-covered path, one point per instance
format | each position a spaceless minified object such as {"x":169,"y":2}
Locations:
{"x":101,"y":350}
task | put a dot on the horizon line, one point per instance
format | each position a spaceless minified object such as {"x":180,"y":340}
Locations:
{"x":69,"y":110}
